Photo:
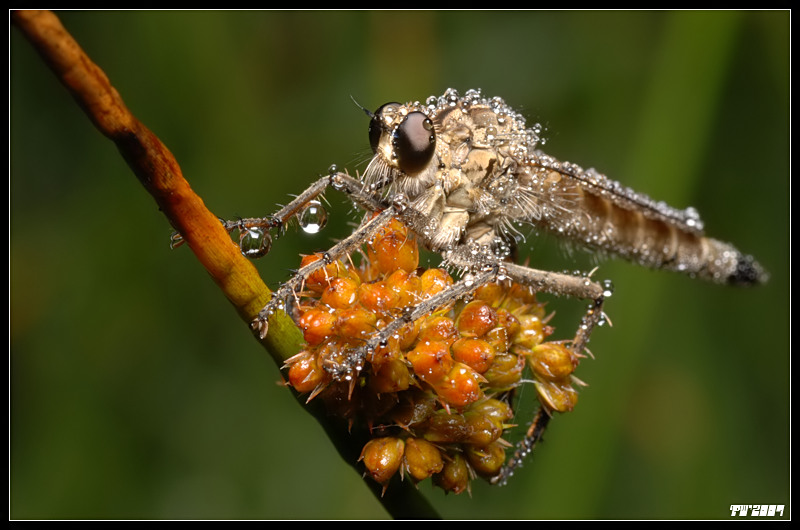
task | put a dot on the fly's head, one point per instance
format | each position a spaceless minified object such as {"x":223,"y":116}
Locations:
{"x":403,"y":141}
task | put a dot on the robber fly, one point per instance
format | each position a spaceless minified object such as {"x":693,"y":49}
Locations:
{"x":464,"y":173}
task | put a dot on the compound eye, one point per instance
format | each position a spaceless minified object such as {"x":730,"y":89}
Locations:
{"x":377,"y":125}
{"x":414,"y":142}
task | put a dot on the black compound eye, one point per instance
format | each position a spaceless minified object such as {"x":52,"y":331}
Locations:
{"x":377,"y":125}
{"x":414,"y":142}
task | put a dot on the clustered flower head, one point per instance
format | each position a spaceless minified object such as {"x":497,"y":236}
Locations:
{"x":436,"y":395}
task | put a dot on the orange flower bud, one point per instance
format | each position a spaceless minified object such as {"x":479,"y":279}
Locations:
{"x":317,"y":325}
{"x":406,"y":285}
{"x":434,"y":281}
{"x":552,"y":360}
{"x":460,"y":387}
{"x":499,"y":411}
{"x":318,"y":280}
{"x":443,"y":427}
{"x":486,"y":461}
{"x":355,"y":323}
{"x":475,"y":353}
{"x":341,"y":293}
{"x":557,"y":395}
{"x":393,"y":248}
{"x":438,"y":329}
{"x":505,"y":371}
{"x":304,"y":374}
{"x":391,"y":376}
{"x":454,"y":475}
{"x":377,"y":297}
{"x":476,"y":319}
{"x":531,"y":332}
{"x":382,"y":458}
{"x":422,"y":459}
{"x":491,"y":293}
{"x":431,"y":360}
{"x":483,"y":429}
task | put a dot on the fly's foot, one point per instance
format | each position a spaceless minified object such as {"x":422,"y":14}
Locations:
{"x":255,"y":240}
{"x":278,"y":302}
{"x":260,"y":327}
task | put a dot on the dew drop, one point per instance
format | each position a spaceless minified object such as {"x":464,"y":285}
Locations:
{"x":399,"y":202}
{"x":502,"y":275}
{"x":313,"y":217}
{"x":608,"y":288}
{"x":254,"y":242}
{"x":337,"y":183}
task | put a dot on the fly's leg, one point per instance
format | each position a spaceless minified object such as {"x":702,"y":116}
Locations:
{"x":566,"y":285}
{"x":560,"y":285}
{"x":355,"y":190}
{"x":252,"y":226}
{"x":257,"y":229}
{"x":285,"y":293}
{"x":255,"y":226}
{"x":354,"y":361}
{"x":524,"y":447}
{"x":593,"y":316}
{"x":541,"y":281}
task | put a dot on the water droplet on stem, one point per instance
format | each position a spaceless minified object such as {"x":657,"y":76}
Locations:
{"x":254,"y":242}
{"x":313,"y":217}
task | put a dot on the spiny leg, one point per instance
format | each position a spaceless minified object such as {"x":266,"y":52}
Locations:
{"x":566,"y":285}
{"x":524,"y":447}
{"x":592,"y":317}
{"x":556,"y":284}
{"x":354,"y":362}
{"x":280,"y":219}
{"x":560,"y":285}
{"x":336,"y":180}
{"x":285,"y":292}
{"x":353,"y":188}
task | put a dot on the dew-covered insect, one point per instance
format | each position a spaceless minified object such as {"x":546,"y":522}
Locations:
{"x":464,"y":174}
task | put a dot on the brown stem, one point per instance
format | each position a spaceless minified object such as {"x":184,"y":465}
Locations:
{"x":159,"y":172}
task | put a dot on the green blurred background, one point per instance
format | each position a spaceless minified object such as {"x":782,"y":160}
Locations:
{"x":135,"y":390}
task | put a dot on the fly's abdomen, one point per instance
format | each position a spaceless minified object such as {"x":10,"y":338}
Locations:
{"x":656,"y":236}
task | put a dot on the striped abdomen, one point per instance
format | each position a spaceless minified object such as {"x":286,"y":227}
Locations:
{"x":606,"y":216}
